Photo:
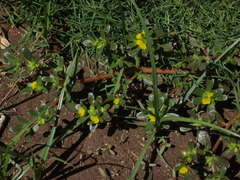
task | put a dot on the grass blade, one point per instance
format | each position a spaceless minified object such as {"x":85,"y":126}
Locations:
{"x":142,"y":154}
{"x":153,"y":64}
{"x":195,"y":121}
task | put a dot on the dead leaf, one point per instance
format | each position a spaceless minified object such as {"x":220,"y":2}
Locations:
{"x":4,"y":42}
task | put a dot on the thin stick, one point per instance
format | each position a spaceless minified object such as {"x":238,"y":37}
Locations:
{"x":228,"y":125}
{"x":5,"y":97}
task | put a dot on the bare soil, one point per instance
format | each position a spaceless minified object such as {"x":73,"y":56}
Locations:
{"x":84,"y":150}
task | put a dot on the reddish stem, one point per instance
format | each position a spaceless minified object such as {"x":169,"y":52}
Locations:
{"x":147,"y":70}
{"x":228,"y":125}
{"x":176,"y":88}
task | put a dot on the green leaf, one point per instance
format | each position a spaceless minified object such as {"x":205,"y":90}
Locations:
{"x":144,"y":52}
{"x":238,"y":156}
{"x":93,"y":127}
{"x":8,"y":67}
{"x":112,"y":152}
{"x":60,"y":63}
{"x":106,"y":107}
{"x":33,"y":113}
{"x":195,"y":43}
{"x":102,"y":172}
{"x":141,"y":115}
{"x":166,"y":47}
{"x":113,"y":46}
{"x":215,"y":115}
{"x":10,"y":58}
{"x":62,"y":161}
{"x":71,"y":106}
{"x":217,"y":92}
{"x":99,"y":99}
{"x":191,"y":144}
{"x":197,"y":100}
{"x":158,"y":33}
{"x":131,"y":45}
{"x":222,"y":164}
{"x":237,"y":60}
{"x":202,"y":66}
{"x":22,"y":120}
{"x":210,"y":107}
{"x":130,"y":38}
{"x":226,"y":89}
{"x":198,"y":92}
{"x":79,"y":65}
{"x":209,"y":84}
{"x":27,"y":54}
{"x":107,"y":29}
{"x":152,"y":165}
{"x":105,"y":116}
{"x":204,"y":138}
{"x":26,"y":90}
{"x":87,"y":43}
{"x":78,"y":86}
{"x":91,"y":97}
{"x":16,"y":128}
{"x":221,"y":98}
{"x":97,"y":105}
{"x":103,"y":35}
{"x":151,"y":97}
{"x":133,"y":52}
{"x":185,"y":129}
{"x":47,"y":79}
{"x":147,"y":79}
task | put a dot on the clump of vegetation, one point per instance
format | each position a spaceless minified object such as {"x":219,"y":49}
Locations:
{"x":183,"y":55}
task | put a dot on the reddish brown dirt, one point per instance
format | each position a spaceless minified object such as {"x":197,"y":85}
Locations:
{"x":82,"y":149}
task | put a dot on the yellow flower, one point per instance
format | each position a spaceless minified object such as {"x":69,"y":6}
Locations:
{"x":141,"y":44}
{"x":139,"y":35}
{"x":207,"y":98}
{"x":116,"y":101}
{"x":82,"y":112}
{"x":95,"y":119}
{"x":34,"y":85}
{"x":138,"y":42}
{"x":183,"y":170}
{"x":210,"y":94}
{"x":152,"y":118}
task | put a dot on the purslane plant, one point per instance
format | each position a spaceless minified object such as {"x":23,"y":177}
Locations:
{"x":95,"y":111}
{"x":158,"y":110}
{"x":208,"y":96}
